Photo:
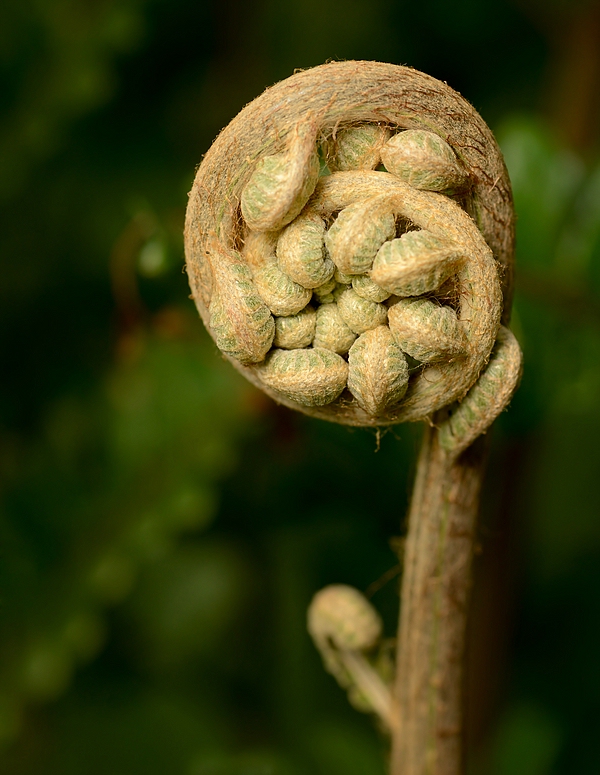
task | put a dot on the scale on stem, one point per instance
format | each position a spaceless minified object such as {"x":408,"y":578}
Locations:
{"x":349,"y":244}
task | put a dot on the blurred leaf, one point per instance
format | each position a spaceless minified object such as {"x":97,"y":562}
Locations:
{"x":185,"y":604}
{"x":527,"y":742}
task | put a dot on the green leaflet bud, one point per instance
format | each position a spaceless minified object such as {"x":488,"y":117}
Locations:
{"x":279,"y":292}
{"x":312,"y":377}
{"x":301,"y":251}
{"x":324,"y":293}
{"x":424,"y":160}
{"x":331,"y":332}
{"x":488,"y":396}
{"x":416,"y":263}
{"x":282,"y":183}
{"x":427,"y":331}
{"x":241,"y":323}
{"x":295,"y":331}
{"x":378,"y":371}
{"x":342,"y":278}
{"x":356,"y":147}
{"x":358,"y":232}
{"x":359,"y":314}
{"x":366,"y":288}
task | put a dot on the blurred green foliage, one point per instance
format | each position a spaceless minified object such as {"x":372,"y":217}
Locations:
{"x":163,"y":526}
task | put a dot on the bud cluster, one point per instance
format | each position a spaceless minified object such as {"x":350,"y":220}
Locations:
{"x":350,"y":269}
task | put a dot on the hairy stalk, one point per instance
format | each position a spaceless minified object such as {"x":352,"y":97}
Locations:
{"x":428,"y":725}
{"x":349,"y":243}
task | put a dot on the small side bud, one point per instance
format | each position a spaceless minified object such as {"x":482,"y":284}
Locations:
{"x":424,"y":160}
{"x":416,"y":263}
{"x":344,"y":625}
{"x":426,"y":331}
{"x":377,"y":371}
{"x":341,"y":614}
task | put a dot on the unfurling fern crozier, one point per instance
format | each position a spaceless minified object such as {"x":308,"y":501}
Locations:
{"x":344,"y":248}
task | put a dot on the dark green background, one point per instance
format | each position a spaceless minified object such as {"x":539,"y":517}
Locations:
{"x":163,"y":526}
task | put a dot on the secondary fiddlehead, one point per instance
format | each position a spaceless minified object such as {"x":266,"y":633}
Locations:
{"x":345,"y":628}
